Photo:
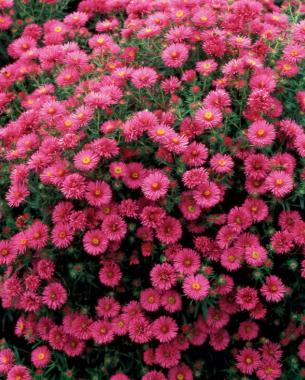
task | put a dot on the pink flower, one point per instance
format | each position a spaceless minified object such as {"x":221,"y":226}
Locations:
{"x":255,"y":256}
{"x":139,"y":330}
{"x":167,"y":355}
{"x":273,"y":289}
{"x":74,"y":186}
{"x":150,"y":299}
{"x":114,"y":227}
{"x":163,"y":276}
{"x":107,"y":307}
{"x":98,"y":193}
{"x":41,"y":356}
{"x":207,"y":194}
{"x":164,"y":329}
{"x":155,"y":185}
{"x":186,"y":261}
{"x":38,"y":235}
{"x":206,"y":67}
{"x":208,"y":118}
{"x":144,"y":77}
{"x":248,"y":330}
{"x":86,"y":160}
{"x":19,"y":372}
{"x":102,"y":332}
{"x":269,"y":369}
{"x":181,"y":371}
{"x":261,"y":133}
{"x":169,"y":230}
{"x":95,"y":242}
{"x":54,"y":295}
{"x":6,"y":360}
{"x":219,"y":339}
{"x":195,"y":154}
{"x":153,"y":375}
{"x":279,"y":183}
{"x":196,"y":287}
{"x":7,"y":254}
{"x":221,"y":163}
{"x":110,"y":274}
{"x":194,"y":177}
{"x":61,"y":235}
{"x":171,"y":301}
{"x":152,"y":216}
{"x":248,"y":360}
{"x":175,"y":55}
{"x":246,"y":298}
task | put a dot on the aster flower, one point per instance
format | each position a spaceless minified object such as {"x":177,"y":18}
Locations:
{"x":207,"y":194}
{"x":155,"y":185}
{"x":273,"y":289}
{"x":208,"y":118}
{"x":246,"y":298}
{"x":19,"y":372}
{"x":163,"y":276}
{"x":261,"y":133}
{"x":74,"y":186}
{"x":54,"y":295}
{"x":175,"y":55}
{"x":279,"y":183}
{"x":150,"y":299}
{"x":110,"y":274}
{"x":169,"y":231}
{"x":167,"y":355}
{"x":102,"y":332}
{"x":144,"y":77}
{"x":114,"y":227}
{"x":6,"y":360}
{"x":248,"y":360}
{"x":95,"y":242}
{"x":41,"y":356}
{"x":86,"y":160}
{"x":255,"y":256}
{"x":171,"y":301}
{"x":196,"y":287}
{"x":139,"y":330}
{"x":61,"y":235}
{"x":186,"y":261}
{"x":153,"y":375}
{"x":98,"y":193}
{"x":221,"y":163}
{"x":269,"y":369}
{"x":164,"y":329}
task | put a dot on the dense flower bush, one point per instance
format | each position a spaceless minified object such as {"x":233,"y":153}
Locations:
{"x":153,"y":184}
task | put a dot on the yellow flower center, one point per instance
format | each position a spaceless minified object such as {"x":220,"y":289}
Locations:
{"x":160,"y":132}
{"x":255,"y":255}
{"x":58,"y":29}
{"x":208,"y":115}
{"x":4,"y":252}
{"x":95,"y":241}
{"x":155,"y":186}
{"x":261,"y":132}
{"x":196,"y":286}
{"x":100,"y":41}
{"x":279,"y":182}
{"x":67,"y":123}
{"x":86,"y":160}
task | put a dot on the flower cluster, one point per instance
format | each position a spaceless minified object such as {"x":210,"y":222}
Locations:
{"x":153,"y":183}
